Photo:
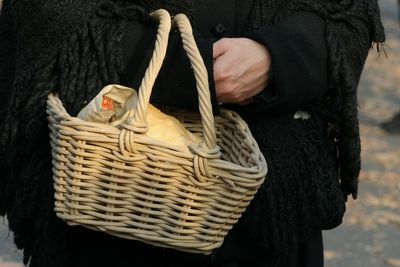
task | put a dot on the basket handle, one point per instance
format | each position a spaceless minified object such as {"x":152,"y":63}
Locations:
{"x":138,"y":122}
{"x":200,"y":72}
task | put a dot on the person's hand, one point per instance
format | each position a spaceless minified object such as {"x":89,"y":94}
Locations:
{"x":241,"y":69}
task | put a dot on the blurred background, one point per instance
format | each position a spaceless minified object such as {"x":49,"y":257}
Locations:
{"x":370,"y":233}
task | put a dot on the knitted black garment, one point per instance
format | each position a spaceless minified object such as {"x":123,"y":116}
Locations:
{"x":77,"y":51}
{"x":351,"y":28}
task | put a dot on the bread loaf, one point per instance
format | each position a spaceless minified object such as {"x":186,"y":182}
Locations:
{"x":115,"y":103}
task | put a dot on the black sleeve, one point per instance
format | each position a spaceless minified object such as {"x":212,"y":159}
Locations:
{"x":7,"y":55}
{"x":299,"y":63}
{"x":7,"y":70}
{"x":175,"y":85}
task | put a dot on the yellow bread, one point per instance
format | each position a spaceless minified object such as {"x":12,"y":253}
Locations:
{"x":162,"y":127}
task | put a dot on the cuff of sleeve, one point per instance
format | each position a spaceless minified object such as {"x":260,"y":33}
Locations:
{"x":298,"y":60}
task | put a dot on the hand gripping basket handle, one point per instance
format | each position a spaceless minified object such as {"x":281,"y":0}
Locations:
{"x":139,"y":119}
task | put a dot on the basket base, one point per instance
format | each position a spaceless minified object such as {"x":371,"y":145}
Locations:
{"x":204,"y":248}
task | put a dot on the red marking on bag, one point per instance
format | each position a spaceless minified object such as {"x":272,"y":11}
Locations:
{"x":107,"y":103}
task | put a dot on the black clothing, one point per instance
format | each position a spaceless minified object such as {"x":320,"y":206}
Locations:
{"x":7,"y":54}
{"x":127,"y":253}
{"x":304,"y":32}
{"x":80,"y":48}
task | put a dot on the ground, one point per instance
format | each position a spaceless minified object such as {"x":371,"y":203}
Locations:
{"x":370,"y":233}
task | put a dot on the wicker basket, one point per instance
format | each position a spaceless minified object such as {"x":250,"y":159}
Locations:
{"x":119,"y":181}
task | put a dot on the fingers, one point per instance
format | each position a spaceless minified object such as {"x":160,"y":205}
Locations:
{"x":241,"y":69}
{"x":223,"y":68}
{"x":219,"y":48}
{"x":238,"y":91}
{"x":239,"y":97}
{"x":246,"y":102}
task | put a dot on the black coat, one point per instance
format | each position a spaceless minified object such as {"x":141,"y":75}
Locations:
{"x":316,"y":61}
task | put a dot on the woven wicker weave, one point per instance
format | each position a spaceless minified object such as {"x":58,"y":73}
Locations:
{"x":117,"y":180}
